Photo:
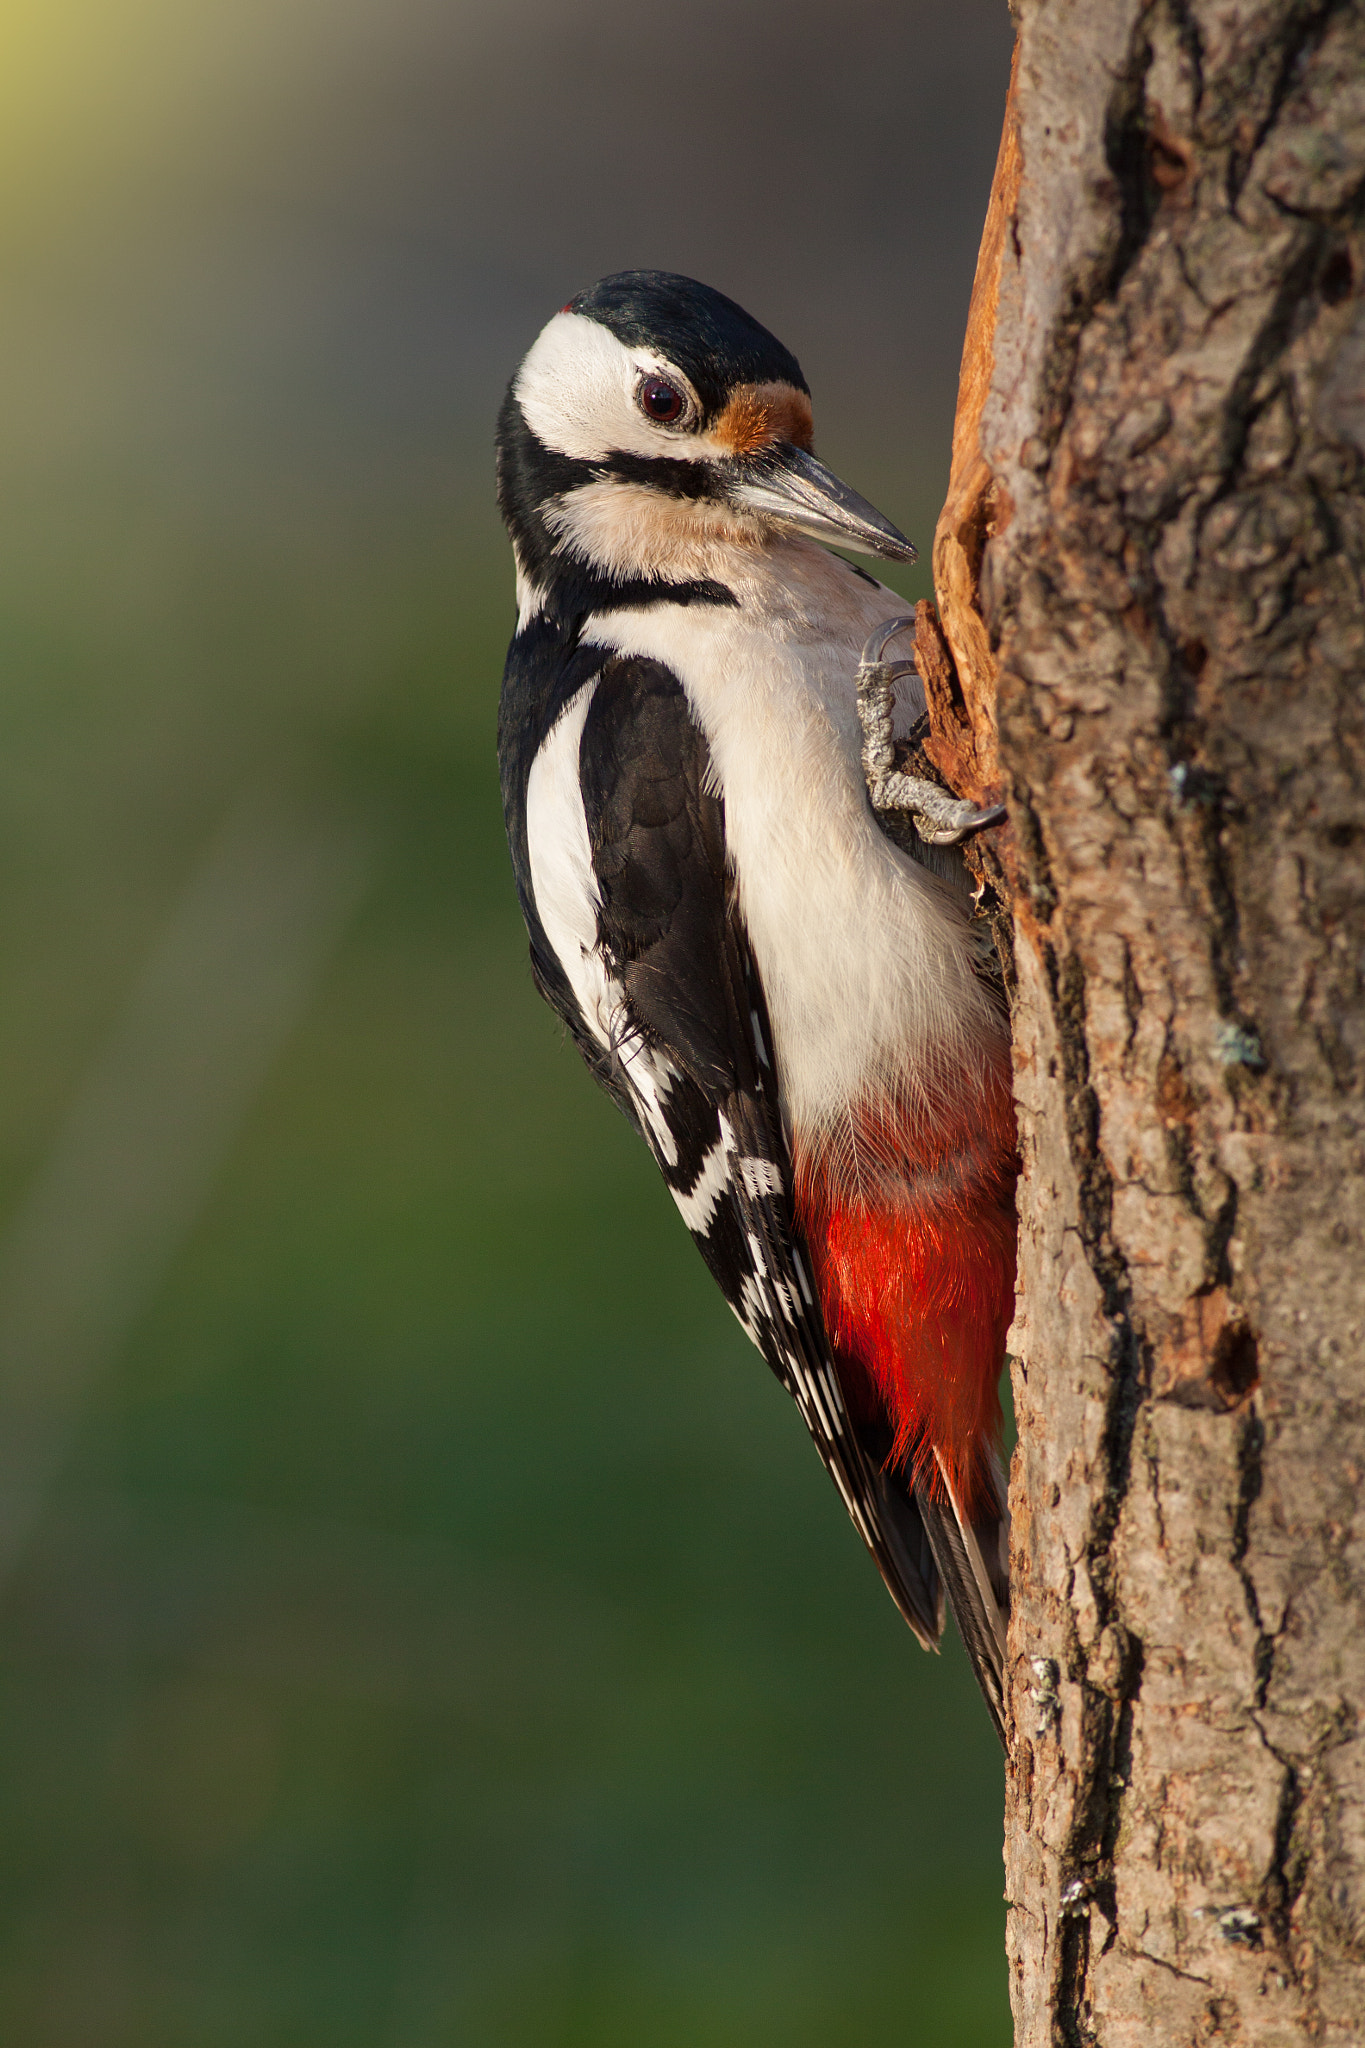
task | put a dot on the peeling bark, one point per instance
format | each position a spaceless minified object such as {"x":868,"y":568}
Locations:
{"x":1151,"y":579}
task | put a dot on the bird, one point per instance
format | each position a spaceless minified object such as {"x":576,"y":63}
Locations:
{"x":800,"y":1017}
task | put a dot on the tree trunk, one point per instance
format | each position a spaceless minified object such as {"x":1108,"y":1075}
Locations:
{"x":1149,"y":572}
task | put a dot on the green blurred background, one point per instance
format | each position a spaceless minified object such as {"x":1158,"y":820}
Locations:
{"x":423,"y":1620}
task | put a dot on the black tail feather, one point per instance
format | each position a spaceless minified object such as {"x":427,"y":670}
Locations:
{"x":916,"y":1585}
{"x":969,"y":1554}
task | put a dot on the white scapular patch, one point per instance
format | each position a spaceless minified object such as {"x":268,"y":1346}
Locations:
{"x":562,"y":877}
{"x":866,"y":959}
{"x":567,"y":899}
{"x":697,"y":1204}
{"x":650,"y":1075}
{"x":530,"y":596}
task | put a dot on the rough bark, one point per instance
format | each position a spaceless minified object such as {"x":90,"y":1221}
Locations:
{"x":1150,"y":573}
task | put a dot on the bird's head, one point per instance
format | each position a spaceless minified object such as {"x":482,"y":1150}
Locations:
{"x":653,"y":419}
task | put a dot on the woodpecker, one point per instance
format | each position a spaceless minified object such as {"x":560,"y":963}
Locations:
{"x":796,"y":1014}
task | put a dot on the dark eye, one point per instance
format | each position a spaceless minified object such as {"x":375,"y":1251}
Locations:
{"x":661,"y":401}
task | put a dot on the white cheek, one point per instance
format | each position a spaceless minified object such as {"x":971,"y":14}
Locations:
{"x":577,"y":391}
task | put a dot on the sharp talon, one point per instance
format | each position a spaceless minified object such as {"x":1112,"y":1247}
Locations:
{"x":875,"y":683}
{"x":940,"y":819}
{"x":877,"y":642}
{"x":993,"y":814}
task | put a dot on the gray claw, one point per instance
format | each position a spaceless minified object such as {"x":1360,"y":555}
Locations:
{"x":876,"y":696}
{"x":876,"y":644}
{"x":940,"y":819}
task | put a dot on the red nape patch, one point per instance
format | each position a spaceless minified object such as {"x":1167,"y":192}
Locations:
{"x":917,"y":1288}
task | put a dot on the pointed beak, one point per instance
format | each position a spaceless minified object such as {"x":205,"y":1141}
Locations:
{"x":784,"y":483}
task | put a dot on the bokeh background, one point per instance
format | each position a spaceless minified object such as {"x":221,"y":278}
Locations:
{"x":422,"y":1620}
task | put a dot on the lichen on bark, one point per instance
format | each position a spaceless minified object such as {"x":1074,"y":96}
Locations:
{"x":1151,"y":577}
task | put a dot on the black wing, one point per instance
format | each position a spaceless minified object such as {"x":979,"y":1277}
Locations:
{"x":544,"y":672}
{"x":689,"y":1052}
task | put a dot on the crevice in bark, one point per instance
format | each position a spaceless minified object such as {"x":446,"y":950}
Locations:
{"x":1285,"y":56}
{"x":1266,"y":352}
{"x":1209,"y":805}
{"x":1128,"y":147}
{"x":1035,"y":873}
{"x":1083,"y":1131}
{"x":1250,"y":1478}
{"x":1148,"y":162}
{"x":1185,"y":1976}
{"x":1285,"y":1879}
{"x":1178,"y":1109}
{"x":1108,"y":1710}
{"x":1192,"y":48}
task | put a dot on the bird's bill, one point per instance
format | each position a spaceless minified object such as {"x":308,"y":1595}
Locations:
{"x":784,"y":483}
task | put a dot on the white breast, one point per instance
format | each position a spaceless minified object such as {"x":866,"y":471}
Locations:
{"x":866,"y":959}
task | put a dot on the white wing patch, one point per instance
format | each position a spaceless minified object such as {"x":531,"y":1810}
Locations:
{"x":568,"y":900}
{"x":650,"y":1075}
{"x":751,"y":1311}
{"x":697,"y":1204}
{"x":562,"y":878}
{"x":531,"y":596}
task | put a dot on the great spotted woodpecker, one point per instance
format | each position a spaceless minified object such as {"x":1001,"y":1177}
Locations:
{"x":794,"y":1013}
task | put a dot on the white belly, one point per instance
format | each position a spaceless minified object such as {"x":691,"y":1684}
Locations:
{"x":866,"y":959}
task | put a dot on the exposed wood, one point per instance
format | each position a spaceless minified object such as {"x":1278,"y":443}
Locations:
{"x":1151,"y":577}
{"x":974,"y":509}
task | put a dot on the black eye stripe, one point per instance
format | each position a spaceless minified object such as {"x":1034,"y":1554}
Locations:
{"x":679,"y":479}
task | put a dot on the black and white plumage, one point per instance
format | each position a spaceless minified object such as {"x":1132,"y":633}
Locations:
{"x":773,"y":993}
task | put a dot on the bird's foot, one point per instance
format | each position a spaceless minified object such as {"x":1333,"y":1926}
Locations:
{"x":877,"y":678}
{"x":939,"y":818}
